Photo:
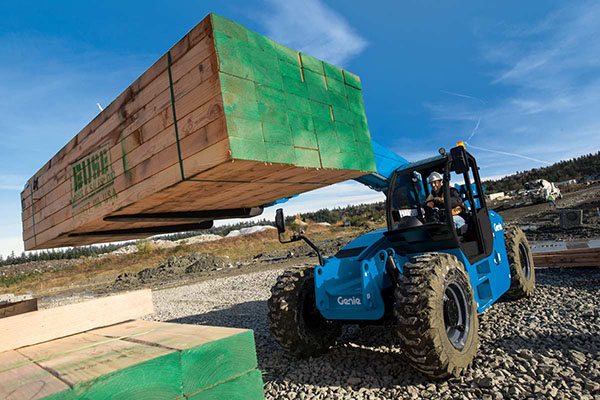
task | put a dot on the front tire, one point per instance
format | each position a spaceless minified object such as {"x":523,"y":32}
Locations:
{"x":520,"y":260}
{"x":296,"y":324}
{"x":437,"y":315}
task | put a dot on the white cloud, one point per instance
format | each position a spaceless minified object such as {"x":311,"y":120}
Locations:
{"x":12,"y":182}
{"x":312,"y":27}
{"x":549,"y":72}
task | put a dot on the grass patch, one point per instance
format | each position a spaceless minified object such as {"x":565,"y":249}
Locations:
{"x":8,"y":281}
{"x":106,"y":267}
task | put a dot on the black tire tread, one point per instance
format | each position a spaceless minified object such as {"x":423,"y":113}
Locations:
{"x":287,"y":325}
{"x":419,"y":317}
{"x":520,"y":286}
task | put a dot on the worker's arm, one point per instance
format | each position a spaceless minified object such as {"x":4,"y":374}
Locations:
{"x":455,"y":199}
{"x":432,"y":201}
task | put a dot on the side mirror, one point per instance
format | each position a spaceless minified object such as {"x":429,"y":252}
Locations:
{"x":279,"y":221}
{"x":459,"y":160}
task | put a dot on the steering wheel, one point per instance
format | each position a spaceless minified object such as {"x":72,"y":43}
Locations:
{"x":434,"y":215}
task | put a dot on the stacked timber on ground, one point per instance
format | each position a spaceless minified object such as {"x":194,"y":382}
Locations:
{"x":19,"y":307}
{"x":127,"y":360}
{"x":567,"y":258}
{"x":226,"y":120}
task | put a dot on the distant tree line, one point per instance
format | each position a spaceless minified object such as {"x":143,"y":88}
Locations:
{"x":353,"y":214}
{"x":66,"y":254}
{"x":575,"y":168}
{"x":94,"y":250}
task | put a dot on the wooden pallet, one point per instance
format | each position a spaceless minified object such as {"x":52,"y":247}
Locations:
{"x":226,"y":120}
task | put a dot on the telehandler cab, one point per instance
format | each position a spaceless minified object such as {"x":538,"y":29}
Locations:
{"x":425,"y":274}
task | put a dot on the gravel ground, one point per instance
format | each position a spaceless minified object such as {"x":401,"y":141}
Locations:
{"x":546,"y":347}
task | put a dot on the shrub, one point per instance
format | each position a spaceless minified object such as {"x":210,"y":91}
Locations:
{"x":293,"y":227}
{"x":144,"y":246}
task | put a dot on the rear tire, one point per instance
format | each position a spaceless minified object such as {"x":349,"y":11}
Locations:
{"x":296,"y":324}
{"x":520,"y":260}
{"x":437,"y":315}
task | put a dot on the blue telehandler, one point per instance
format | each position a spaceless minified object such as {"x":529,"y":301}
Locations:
{"x":431,"y":272}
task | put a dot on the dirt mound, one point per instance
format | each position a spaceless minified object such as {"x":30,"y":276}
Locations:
{"x":252,"y":229}
{"x":173,"y":268}
{"x":165,"y":244}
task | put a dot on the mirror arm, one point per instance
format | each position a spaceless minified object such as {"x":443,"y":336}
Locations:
{"x":296,"y":238}
{"x":285,"y":241}
{"x":280,"y":222}
{"x":312,"y":246}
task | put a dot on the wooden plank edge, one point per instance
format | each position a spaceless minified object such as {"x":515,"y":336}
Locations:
{"x":40,"y":326}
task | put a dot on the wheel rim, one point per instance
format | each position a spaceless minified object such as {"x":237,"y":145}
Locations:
{"x":524,"y":260}
{"x":457,"y":312}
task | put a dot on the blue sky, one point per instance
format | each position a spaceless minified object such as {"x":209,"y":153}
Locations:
{"x":521,"y":78}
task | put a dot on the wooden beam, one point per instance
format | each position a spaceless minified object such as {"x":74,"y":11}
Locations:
{"x":98,"y":368}
{"x":40,"y":326}
{"x":157,"y":146}
{"x":567,"y":258}
{"x":20,"y":307}
{"x":21,"y":379}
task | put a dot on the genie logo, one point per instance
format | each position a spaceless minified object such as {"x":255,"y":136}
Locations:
{"x":498,"y":227}
{"x":349,"y":301}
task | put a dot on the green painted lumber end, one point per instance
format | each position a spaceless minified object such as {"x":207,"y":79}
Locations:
{"x":217,"y":361}
{"x":158,"y":378}
{"x":248,"y":386}
{"x":168,"y":362}
{"x":68,"y":394}
{"x":287,"y":107}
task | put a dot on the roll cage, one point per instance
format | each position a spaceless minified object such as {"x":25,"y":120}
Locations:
{"x":475,"y":239}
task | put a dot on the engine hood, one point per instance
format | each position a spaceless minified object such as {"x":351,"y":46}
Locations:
{"x":361,"y":247}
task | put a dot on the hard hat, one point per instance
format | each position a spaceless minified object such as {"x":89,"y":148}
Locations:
{"x":434,"y":176}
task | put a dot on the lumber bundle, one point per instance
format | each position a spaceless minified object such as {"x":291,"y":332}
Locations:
{"x":136,"y":360}
{"x":94,"y":350}
{"x":226,"y":120}
{"x":567,"y":258}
